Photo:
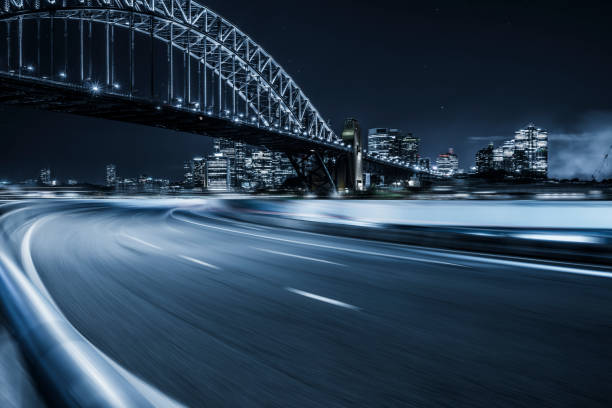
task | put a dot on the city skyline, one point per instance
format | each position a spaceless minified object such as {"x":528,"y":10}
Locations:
{"x":383,"y":143}
{"x":442,"y":100}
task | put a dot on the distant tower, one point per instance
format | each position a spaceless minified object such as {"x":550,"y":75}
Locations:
{"x":217,"y":173}
{"x":381,"y":142}
{"x":531,"y":152}
{"x":111,"y":175}
{"x":484,"y":159}
{"x":406,"y":149}
{"x":199,"y":172}
{"x":447,"y":163}
{"x":352,"y":135}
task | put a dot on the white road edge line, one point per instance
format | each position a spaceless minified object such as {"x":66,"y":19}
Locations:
{"x":322,"y":299}
{"x":140,"y":241}
{"x":197,"y":261}
{"x":307,"y":258}
{"x":522,"y":264}
{"x":408,"y":258}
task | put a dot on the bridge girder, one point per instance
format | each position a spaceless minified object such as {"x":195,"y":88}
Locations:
{"x":227,"y":73}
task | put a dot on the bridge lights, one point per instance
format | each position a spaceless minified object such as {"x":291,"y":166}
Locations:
{"x":30,"y":68}
{"x":95,"y":88}
{"x":62,"y":75}
{"x":116,"y":86}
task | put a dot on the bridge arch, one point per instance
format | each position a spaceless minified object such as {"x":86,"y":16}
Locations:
{"x":223,"y":72}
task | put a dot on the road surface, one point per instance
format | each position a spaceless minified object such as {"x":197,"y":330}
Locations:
{"x":218,"y":313}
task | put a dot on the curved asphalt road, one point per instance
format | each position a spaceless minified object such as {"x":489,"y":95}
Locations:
{"x":219,"y":313}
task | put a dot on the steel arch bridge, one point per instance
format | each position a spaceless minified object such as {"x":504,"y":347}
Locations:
{"x":167,"y":63}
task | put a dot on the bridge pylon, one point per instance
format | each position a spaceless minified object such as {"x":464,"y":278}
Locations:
{"x":349,"y":166}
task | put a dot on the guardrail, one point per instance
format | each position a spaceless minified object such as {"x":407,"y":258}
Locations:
{"x":593,"y":246}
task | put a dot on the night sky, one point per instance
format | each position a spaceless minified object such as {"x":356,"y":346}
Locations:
{"x":458,"y":73}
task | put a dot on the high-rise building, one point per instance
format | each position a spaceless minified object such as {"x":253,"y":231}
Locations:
{"x":194,"y":173}
{"x":199,"y":172}
{"x":406,"y":149}
{"x":447,"y":163}
{"x":111,"y":175}
{"x":45,"y":177}
{"x":262,"y":169}
{"x":531,"y":151}
{"x":235,"y":152}
{"x":381,"y":141}
{"x":218,"y":173}
{"x":484,"y":160}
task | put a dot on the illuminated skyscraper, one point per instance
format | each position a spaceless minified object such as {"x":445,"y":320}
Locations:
{"x":406,"y":149}
{"x":531,"y":152}
{"x":381,"y":141}
{"x":447,"y":163}
{"x":235,"y":152}
{"x":218,"y":173}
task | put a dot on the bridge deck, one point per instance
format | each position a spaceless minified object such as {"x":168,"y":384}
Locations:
{"x":65,"y":98}
{"x":46,"y":95}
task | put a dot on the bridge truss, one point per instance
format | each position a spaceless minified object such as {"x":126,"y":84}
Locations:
{"x":178,"y":52}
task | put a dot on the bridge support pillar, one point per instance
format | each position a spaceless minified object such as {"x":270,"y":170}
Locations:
{"x":351,"y":135}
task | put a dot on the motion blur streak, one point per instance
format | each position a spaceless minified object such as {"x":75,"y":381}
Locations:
{"x":268,"y":330}
{"x":335,"y":248}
